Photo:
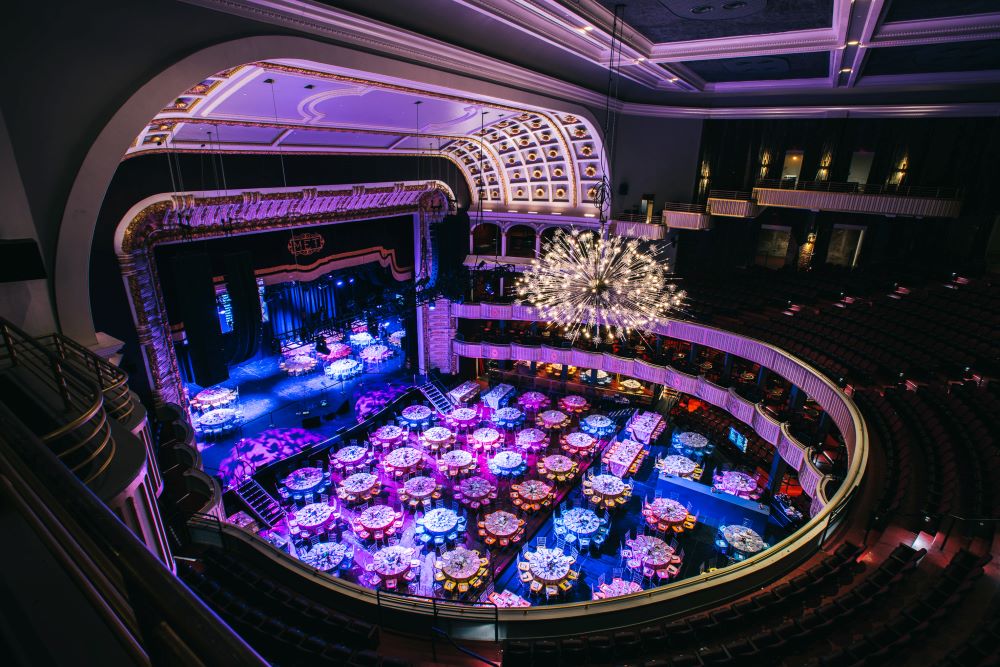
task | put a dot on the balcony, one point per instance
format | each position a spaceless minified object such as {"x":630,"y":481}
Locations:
{"x":732,"y":204}
{"x":638,"y":227}
{"x":686,"y":216}
{"x":888,"y":200}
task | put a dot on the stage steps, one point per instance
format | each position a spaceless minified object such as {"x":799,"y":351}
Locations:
{"x":623,"y":414}
{"x":440,"y":402}
{"x":260,"y":501}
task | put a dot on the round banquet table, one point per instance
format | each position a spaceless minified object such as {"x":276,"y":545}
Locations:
{"x":456,"y":462}
{"x":531,"y":494}
{"x":586,"y":375}
{"x":663,"y":513}
{"x":361,"y":338}
{"x":392,"y":564}
{"x":475,"y":491}
{"x":599,"y":426}
{"x":485,"y":438}
{"x":376,"y":519}
{"x":357,"y":487}
{"x":385,"y":436}
{"x":557,"y":467}
{"x":736,"y":483}
{"x":350,"y":458}
{"x":530,"y":439}
{"x":501,"y":526}
{"x":508,"y":599}
{"x":314,"y":516}
{"x":460,"y":565}
{"x":305,"y":480}
{"x":463,"y":417}
{"x":607,"y":490}
{"x":744,"y":540}
{"x":508,"y":417}
{"x":557,"y":368}
{"x":402,"y":460}
{"x":219,"y":419}
{"x":747,"y":377}
{"x":440,"y":524}
{"x":507,"y":464}
{"x":418,"y":489}
{"x":337,"y":351}
{"x":298,"y":364}
{"x":691,"y":441}
{"x":650,"y":555}
{"x":326,"y":556}
{"x":374,"y":354}
{"x":617,"y":588}
{"x":343,"y":368}
{"x":552,"y":419}
{"x":549,"y":566}
{"x":676,"y":465}
{"x":631,"y":386}
{"x":573,"y":403}
{"x":580,"y":521}
{"x":416,"y":415}
{"x":533,"y":401}
{"x":578,"y":443}
{"x":437,"y":437}
{"x":396,"y":337}
{"x":213,"y":397}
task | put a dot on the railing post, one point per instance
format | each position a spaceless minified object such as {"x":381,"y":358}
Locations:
{"x":9,"y":342}
{"x":61,"y":382}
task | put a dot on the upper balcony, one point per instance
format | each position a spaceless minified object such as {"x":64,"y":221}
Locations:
{"x":888,"y":200}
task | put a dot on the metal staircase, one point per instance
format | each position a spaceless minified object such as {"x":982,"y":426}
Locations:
{"x":260,"y":501}
{"x":438,"y":399}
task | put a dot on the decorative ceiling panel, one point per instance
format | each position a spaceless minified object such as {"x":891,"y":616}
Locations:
{"x":684,"y":20}
{"x":914,"y":10}
{"x":975,"y":55}
{"x":763,"y":68}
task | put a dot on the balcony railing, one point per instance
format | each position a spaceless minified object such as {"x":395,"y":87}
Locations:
{"x":732,"y":204}
{"x":68,"y":405}
{"x":112,"y":380}
{"x":859,"y":198}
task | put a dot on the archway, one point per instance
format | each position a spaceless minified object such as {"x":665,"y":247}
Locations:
{"x":72,"y":265}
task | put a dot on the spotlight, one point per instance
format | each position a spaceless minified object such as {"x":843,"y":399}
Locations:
{"x":350,"y":280}
{"x":340,"y":283}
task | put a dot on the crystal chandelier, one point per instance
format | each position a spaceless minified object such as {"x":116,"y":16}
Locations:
{"x":596,"y":285}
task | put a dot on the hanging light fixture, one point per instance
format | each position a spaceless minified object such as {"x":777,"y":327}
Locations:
{"x":597,"y":284}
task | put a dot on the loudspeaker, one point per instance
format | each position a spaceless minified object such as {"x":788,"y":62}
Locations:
{"x":311,"y":422}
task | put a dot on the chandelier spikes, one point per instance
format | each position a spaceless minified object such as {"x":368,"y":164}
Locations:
{"x":598,"y":285}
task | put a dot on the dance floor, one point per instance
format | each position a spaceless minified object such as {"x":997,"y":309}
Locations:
{"x":511,"y":505}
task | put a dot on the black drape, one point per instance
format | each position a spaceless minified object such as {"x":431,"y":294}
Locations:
{"x":241,"y":283}
{"x":195,"y":295}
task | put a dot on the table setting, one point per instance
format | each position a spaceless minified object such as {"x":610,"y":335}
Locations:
{"x":437,"y":437}
{"x":531,"y":439}
{"x":552,"y":419}
{"x":599,"y":426}
{"x":416,"y":415}
{"x":456,"y":462}
{"x":533,"y":401}
{"x":736,"y":483}
{"x":667,"y":514}
{"x":213,"y":397}
{"x":498,"y":396}
{"x":548,"y":570}
{"x":606,"y":490}
{"x":392,"y":564}
{"x":556,"y":467}
{"x":651,"y":556}
{"x":388,"y":435}
{"x":327,"y":556}
{"x":531,"y":494}
{"x":578,"y":443}
{"x":616,"y":588}
{"x":463,"y":417}
{"x":460,"y":569}
{"x":475,"y":491}
{"x":574,"y":403}
{"x":580,"y":522}
{"x":485,"y":438}
{"x":351,"y":458}
{"x":374,"y":354}
{"x":439,"y":525}
{"x":624,"y":457}
{"x":358,"y":487}
{"x":643,"y":425}
{"x":377,"y":522}
{"x":342,"y":369}
{"x":396,"y":337}
{"x":631,"y":386}
{"x":691,"y":443}
{"x":361,"y":338}
{"x":418,"y":490}
{"x":675,"y":465}
{"x":602,"y":379}
{"x":509,"y":417}
{"x":337,"y":351}
{"x":313,"y":517}
{"x":218,"y":420}
{"x":745,"y":541}
{"x":507,"y":463}
{"x":501,"y":526}
{"x":508,"y":600}
{"x":305,"y":480}
{"x":465,"y":392}
{"x":402,"y":460}
{"x":297,"y":364}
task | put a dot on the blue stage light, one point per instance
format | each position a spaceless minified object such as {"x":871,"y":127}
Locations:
{"x":340,"y":283}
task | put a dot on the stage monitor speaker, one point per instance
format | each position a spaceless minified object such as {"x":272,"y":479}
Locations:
{"x":311,"y":422}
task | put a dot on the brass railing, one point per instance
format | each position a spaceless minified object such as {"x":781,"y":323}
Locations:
{"x":111,"y":379}
{"x":82,"y":440}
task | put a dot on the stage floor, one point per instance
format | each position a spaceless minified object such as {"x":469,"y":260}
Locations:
{"x":270,"y":399}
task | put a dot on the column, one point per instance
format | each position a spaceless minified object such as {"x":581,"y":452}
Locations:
{"x":778,"y":468}
{"x":727,"y":369}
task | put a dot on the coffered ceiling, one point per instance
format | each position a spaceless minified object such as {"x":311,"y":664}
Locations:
{"x":684,"y":55}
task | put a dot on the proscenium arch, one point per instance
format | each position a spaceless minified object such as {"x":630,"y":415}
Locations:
{"x":71,"y":273}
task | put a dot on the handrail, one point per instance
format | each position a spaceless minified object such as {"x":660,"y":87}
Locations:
{"x":737,"y":195}
{"x":472,"y":654}
{"x":683,"y":208}
{"x":111,"y":379}
{"x":155,"y":612}
{"x":83,"y":441}
{"x":861,"y":188}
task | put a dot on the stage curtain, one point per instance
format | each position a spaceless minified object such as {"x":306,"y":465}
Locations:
{"x":195,"y":294}
{"x":241,"y":283}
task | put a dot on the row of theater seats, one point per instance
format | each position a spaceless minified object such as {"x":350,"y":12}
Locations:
{"x":947,"y":436}
{"x":283,"y":626}
{"x":787,"y":622}
{"x":753,"y":617}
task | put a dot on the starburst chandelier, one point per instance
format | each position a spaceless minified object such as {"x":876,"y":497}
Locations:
{"x":599,"y":284}
{"x":596,"y":285}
